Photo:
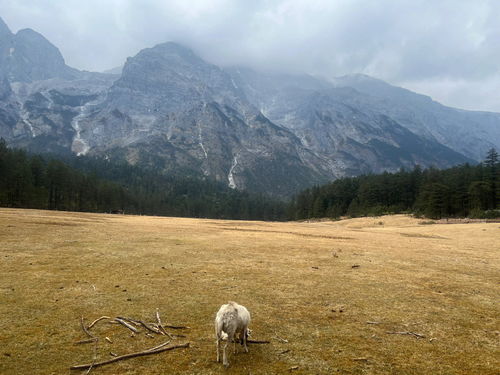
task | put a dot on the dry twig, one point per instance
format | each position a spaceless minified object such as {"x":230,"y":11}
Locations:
{"x":160,"y":325}
{"x":176,"y":327}
{"x":127,"y":356}
{"x":86,"y":341}
{"x":133,"y":321}
{"x":82,"y":323}
{"x":150,"y":328}
{"x":124,"y":323}
{"x":417,"y":335}
{"x":97,"y":320}
{"x":94,"y":359}
{"x":160,"y":346}
{"x":280,"y":338}
{"x":258,"y":341}
{"x":141,"y":323}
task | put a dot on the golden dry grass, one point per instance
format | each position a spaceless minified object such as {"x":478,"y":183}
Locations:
{"x":296,"y":279}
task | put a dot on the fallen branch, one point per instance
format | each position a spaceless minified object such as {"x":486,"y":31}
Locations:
{"x":86,"y":341}
{"x":127,"y":356}
{"x":140,"y":323}
{"x":82,"y":323}
{"x":417,"y":335}
{"x":160,"y":325}
{"x":133,"y":321}
{"x":258,"y":341}
{"x":149,"y":328}
{"x":160,"y":346}
{"x":97,"y":320}
{"x":176,"y":327}
{"x":373,"y":323}
{"x":124,"y":323}
{"x":280,"y":339}
{"x":94,"y":359}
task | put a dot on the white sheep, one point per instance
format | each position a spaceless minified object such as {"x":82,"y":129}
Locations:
{"x":231,"y":320}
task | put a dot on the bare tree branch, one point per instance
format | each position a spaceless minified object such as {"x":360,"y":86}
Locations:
{"x":417,"y":335}
{"x":127,"y":356}
{"x":124,"y":323}
{"x":97,"y":320}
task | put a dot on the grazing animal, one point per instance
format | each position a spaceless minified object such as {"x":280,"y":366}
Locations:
{"x":231,"y":320}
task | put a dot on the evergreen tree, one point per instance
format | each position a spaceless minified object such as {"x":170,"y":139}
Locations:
{"x":492,"y":166}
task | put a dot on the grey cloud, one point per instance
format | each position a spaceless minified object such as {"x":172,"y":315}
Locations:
{"x":445,"y":48}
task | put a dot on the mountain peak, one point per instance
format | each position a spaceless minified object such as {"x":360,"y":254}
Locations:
{"x":172,"y":50}
{"x":31,"y":57}
{"x":4,"y":29}
{"x":360,"y":77}
{"x":174,"y":46}
{"x":357,"y":79}
{"x":32,"y":36}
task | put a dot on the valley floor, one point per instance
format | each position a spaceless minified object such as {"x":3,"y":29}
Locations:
{"x":326,"y":294}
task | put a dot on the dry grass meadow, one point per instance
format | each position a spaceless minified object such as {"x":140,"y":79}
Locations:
{"x":297,"y":280}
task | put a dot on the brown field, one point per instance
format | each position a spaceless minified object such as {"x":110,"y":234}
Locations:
{"x":297,"y":280}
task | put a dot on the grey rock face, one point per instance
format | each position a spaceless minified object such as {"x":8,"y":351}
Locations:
{"x":27,"y":56}
{"x":4,"y":29}
{"x":470,"y":133}
{"x":42,"y":113}
{"x":340,"y":125}
{"x":9,"y":109}
{"x":170,"y":109}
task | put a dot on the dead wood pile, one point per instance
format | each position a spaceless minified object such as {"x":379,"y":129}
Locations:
{"x":136,"y":327}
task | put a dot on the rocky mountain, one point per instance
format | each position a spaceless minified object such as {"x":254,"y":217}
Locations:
{"x":471,"y":133}
{"x":27,"y":56}
{"x":342,"y":124}
{"x":40,"y":96}
{"x":172,"y":111}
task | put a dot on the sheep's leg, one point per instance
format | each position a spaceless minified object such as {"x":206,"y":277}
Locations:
{"x":218,"y":349}
{"x":217,"y":338}
{"x":224,"y":355}
{"x":245,"y":336}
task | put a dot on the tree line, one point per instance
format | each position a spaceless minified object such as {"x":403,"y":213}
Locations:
{"x":96,"y":185}
{"x":462,"y":191}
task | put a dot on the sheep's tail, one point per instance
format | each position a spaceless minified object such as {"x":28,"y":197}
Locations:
{"x":218,"y":328}
{"x":223,"y":322}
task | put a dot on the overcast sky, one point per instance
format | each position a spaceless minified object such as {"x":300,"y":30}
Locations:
{"x":448,"y":49}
